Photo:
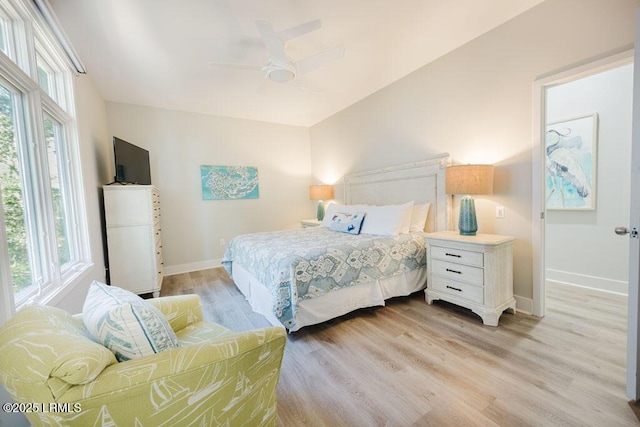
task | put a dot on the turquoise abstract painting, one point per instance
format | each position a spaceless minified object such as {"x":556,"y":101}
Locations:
{"x":229,"y":182}
{"x":571,"y":148}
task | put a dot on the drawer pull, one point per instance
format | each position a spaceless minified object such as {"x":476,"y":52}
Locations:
{"x":454,"y":271}
{"x":453,"y":255}
{"x":455,"y":289}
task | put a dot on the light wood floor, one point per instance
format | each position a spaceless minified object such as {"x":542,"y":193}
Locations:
{"x":411,"y":364}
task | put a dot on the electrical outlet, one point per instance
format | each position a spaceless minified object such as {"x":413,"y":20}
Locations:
{"x":222,"y":242}
{"x":500,"y":212}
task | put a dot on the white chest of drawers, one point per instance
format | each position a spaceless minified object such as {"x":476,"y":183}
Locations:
{"x":132,"y":217}
{"x":475,"y":272}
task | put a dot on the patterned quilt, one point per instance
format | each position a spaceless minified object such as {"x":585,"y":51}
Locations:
{"x":309,"y":262}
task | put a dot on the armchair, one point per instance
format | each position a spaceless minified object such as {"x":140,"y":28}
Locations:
{"x":49,"y":362}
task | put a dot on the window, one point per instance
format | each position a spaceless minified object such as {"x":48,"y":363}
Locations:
{"x":59,"y":194}
{"x":43,"y":236}
{"x":48,"y":76}
{"x":4,"y":45}
{"x":12,"y":193}
{"x":44,"y":78}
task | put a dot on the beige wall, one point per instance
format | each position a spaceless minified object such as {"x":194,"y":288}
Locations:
{"x":179,"y":142}
{"x":476,"y":104}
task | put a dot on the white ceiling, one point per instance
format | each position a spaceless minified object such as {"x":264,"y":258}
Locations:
{"x":158,"y":52}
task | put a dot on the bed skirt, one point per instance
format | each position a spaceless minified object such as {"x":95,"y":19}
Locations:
{"x":331,"y":305}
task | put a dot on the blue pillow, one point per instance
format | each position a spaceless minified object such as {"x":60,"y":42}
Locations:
{"x":347,"y":222}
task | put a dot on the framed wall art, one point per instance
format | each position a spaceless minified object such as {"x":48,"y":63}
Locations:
{"x":229,"y":182}
{"x":571,"y":158}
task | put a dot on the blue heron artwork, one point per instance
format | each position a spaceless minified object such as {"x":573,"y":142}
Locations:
{"x":570,"y":151}
{"x":229,"y":182}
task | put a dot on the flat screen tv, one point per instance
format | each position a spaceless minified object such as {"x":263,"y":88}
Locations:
{"x":132,"y":163}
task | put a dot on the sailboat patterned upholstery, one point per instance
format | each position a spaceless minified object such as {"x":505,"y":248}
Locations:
{"x":58,"y":375}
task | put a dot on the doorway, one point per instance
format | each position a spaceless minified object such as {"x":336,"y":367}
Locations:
{"x":587,"y":180}
{"x":605,"y":63}
{"x":541,"y":85}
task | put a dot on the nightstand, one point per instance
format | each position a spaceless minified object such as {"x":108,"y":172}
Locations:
{"x":306,"y":223}
{"x":475,"y":272}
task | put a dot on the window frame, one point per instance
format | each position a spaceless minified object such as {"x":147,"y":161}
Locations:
{"x":31,"y":39}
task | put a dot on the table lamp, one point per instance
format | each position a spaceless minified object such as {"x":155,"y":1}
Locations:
{"x":320,"y":193}
{"x":467,"y":180}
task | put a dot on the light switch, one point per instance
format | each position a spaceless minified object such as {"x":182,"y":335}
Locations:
{"x":500,"y":212}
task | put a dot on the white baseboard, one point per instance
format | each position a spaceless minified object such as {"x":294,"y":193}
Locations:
{"x":585,"y":281}
{"x":193,"y":266}
{"x":524,"y":305}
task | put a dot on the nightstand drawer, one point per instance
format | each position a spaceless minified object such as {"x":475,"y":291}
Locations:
{"x":458,"y":272}
{"x":458,"y":289}
{"x":457,"y":255}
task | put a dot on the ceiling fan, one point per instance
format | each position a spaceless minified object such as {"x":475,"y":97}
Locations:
{"x":280,"y":67}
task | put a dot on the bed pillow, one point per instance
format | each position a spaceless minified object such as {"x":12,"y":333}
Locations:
{"x":419,"y":215}
{"x":125,"y":323}
{"x":347,"y":222}
{"x":405,"y":226}
{"x":385,"y":220}
{"x":334,"y":208}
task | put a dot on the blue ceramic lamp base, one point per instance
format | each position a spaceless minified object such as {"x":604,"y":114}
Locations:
{"x":320,"y":211}
{"x":467,"y":223}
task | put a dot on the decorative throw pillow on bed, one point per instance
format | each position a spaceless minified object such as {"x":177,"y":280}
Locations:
{"x":126,"y":324}
{"x":347,"y":222}
{"x":334,"y":208}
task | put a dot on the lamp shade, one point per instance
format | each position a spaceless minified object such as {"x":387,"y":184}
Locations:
{"x":469,"y":179}
{"x":321,"y":192}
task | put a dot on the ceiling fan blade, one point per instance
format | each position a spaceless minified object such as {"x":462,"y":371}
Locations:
{"x":274,"y":44}
{"x":299,"y":30}
{"x":315,"y":61}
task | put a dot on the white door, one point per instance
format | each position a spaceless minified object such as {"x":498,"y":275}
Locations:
{"x":633,"y":362}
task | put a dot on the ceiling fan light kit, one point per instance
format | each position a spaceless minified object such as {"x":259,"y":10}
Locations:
{"x":280,"y":68}
{"x":279,"y":71}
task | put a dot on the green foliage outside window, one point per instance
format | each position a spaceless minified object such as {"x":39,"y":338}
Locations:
{"x":62,"y":242}
{"x":12,"y":199}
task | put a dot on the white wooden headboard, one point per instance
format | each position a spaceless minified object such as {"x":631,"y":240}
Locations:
{"x":422,"y":182}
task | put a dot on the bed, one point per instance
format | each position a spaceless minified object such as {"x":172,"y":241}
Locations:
{"x":302,"y":277}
